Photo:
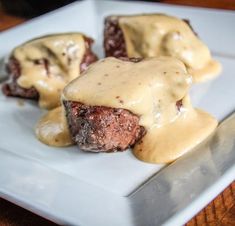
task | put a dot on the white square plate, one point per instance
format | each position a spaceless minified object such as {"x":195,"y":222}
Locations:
{"x":72,"y":187}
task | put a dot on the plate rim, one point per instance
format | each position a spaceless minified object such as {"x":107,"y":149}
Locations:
{"x":130,"y":200}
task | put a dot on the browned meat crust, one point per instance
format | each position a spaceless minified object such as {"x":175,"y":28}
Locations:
{"x":102,"y":129}
{"x":89,"y":56}
{"x":11,"y":88}
{"x":114,"y":42}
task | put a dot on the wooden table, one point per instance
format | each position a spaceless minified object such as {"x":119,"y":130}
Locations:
{"x":221,"y":211}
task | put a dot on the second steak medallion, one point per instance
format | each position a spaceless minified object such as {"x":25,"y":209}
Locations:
{"x":154,"y":35}
{"x":39,"y":69}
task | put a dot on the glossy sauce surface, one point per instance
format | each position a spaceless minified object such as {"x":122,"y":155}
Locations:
{"x":49,"y":63}
{"x":161,"y":35}
{"x":52,"y":128}
{"x":149,"y":89}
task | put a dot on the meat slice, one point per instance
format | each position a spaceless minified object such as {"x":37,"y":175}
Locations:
{"x":114,"y":42}
{"x":12,"y":88}
{"x":89,"y":56}
{"x":102,"y":129}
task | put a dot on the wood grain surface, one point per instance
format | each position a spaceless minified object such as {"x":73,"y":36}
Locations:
{"x":7,"y":21}
{"x":220,"y":212}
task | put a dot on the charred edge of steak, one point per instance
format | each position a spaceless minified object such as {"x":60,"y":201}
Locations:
{"x":102,"y":129}
{"x":89,"y":57}
{"x":13,"y":68}
{"x":12,"y":88}
{"x":114,"y":42}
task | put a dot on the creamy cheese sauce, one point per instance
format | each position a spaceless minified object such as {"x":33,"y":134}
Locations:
{"x":52,"y":128}
{"x":49,"y":63}
{"x":175,"y":139}
{"x":149,"y":89}
{"x":162,"y":35}
{"x":209,"y":71}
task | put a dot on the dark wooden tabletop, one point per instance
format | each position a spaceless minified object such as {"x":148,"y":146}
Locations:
{"x":221,"y":211}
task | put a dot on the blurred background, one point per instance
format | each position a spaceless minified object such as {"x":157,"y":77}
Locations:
{"x":13,"y":12}
{"x":32,"y":8}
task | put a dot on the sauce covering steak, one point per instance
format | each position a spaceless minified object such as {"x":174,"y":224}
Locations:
{"x":114,"y":42}
{"x":140,"y":103}
{"x":155,"y":35}
{"x":14,"y":69}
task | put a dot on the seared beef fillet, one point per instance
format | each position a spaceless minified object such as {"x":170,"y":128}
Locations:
{"x":102,"y":129}
{"x":13,"y":68}
{"x":114,"y":42}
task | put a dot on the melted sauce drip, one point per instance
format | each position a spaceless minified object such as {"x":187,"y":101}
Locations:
{"x":49,"y":63}
{"x":211,"y":70}
{"x":162,"y":35}
{"x":149,"y":89}
{"x":175,"y":139}
{"x":52,"y":129}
